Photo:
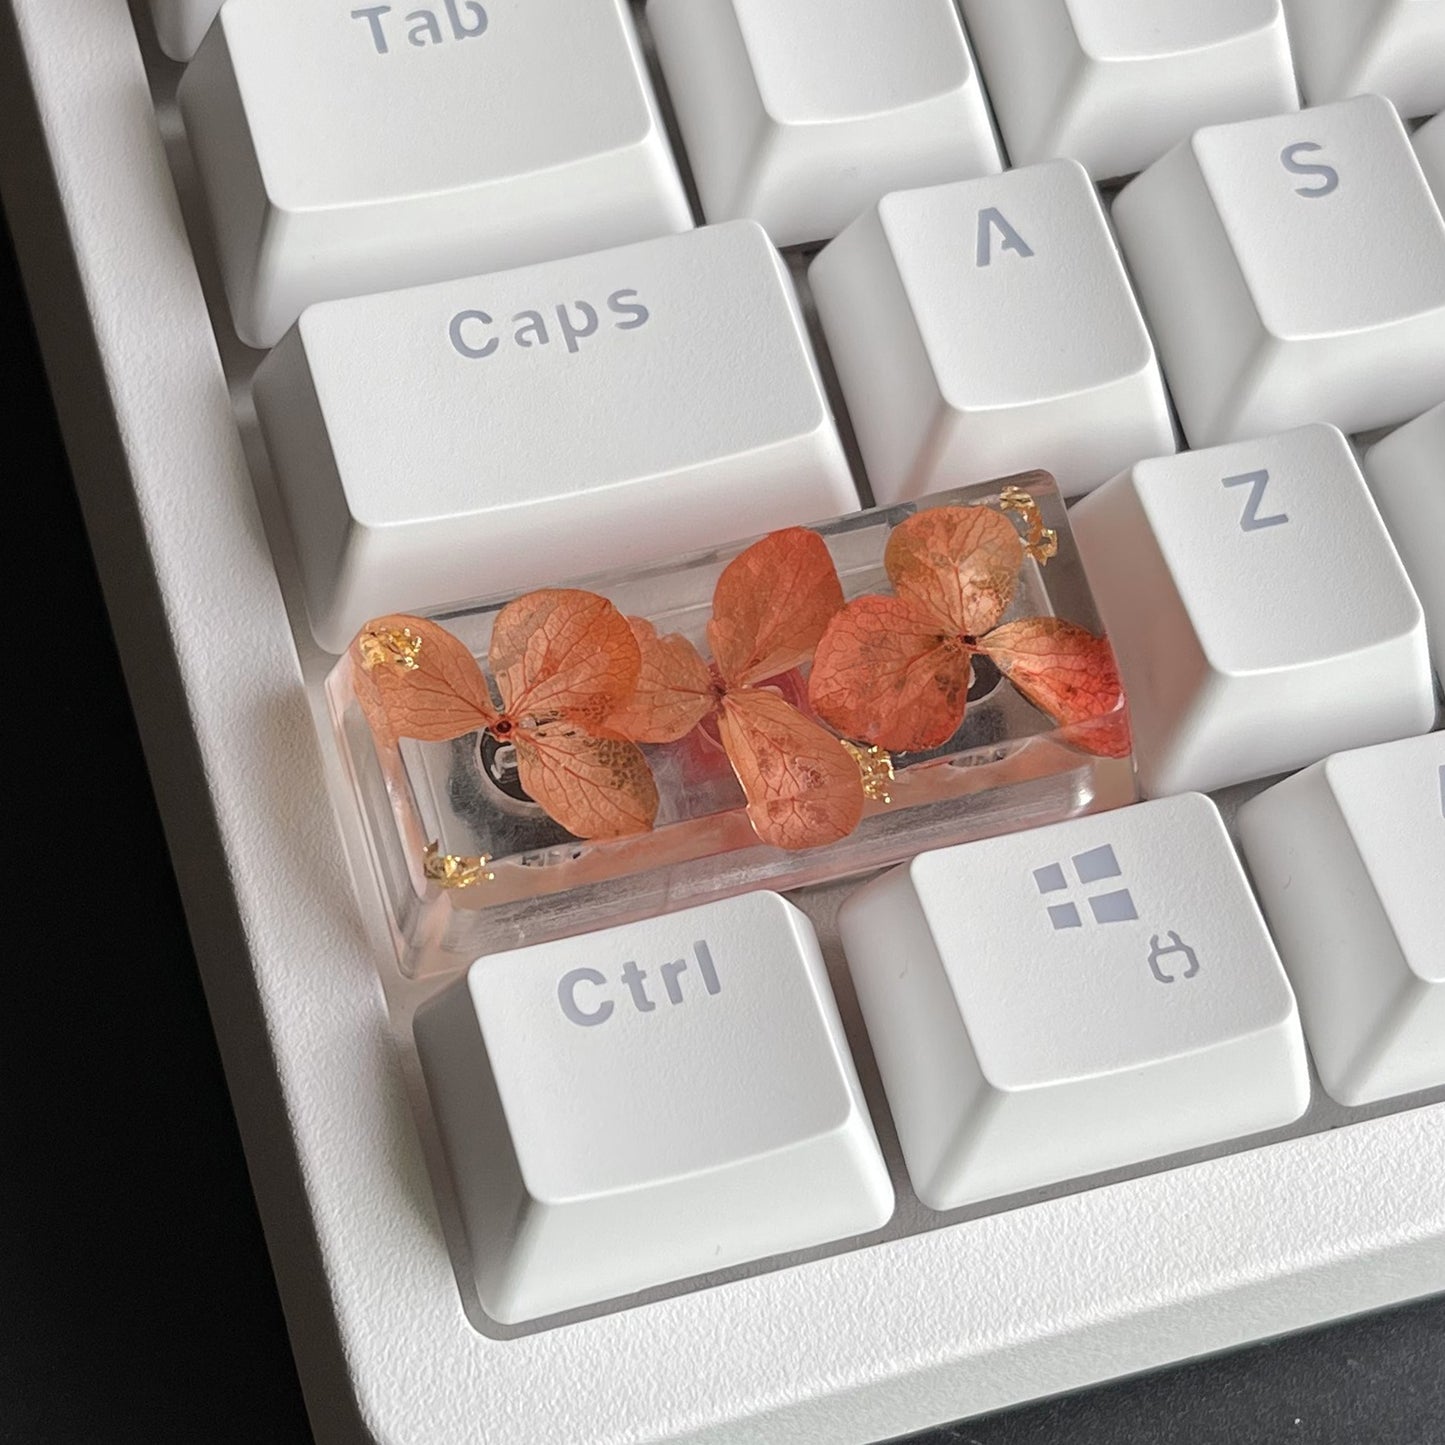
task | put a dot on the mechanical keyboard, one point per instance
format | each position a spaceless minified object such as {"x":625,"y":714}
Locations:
{"x":1011,"y":1083}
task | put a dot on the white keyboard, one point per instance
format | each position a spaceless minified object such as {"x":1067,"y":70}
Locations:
{"x":395,"y":306}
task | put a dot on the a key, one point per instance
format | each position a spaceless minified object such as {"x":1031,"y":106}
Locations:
{"x":484,"y":436}
{"x":1429,"y":143}
{"x":1293,"y":270}
{"x":348,"y":148}
{"x":1394,"y":48}
{"x":1115,"y":83}
{"x":182,"y":24}
{"x":800,"y":115}
{"x":1406,"y":472}
{"x":1260,"y":613}
{"x":1056,"y":1002}
{"x":635,"y":1106}
{"x":1349,"y":860}
{"x":987,"y":327}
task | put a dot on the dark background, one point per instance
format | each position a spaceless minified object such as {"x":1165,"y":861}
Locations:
{"x":136,"y":1301}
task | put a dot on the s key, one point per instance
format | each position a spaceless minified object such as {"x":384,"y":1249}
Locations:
{"x":1293,"y":270}
{"x":355,"y":147}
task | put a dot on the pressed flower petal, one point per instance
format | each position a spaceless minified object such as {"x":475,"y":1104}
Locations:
{"x":885,"y":673}
{"x":771,"y":605}
{"x":674,"y":690}
{"x":593,"y":787}
{"x":802,"y":786}
{"x":415,"y":680}
{"x":563,"y":653}
{"x":960,"y":565}
{"x":1071,"y":675}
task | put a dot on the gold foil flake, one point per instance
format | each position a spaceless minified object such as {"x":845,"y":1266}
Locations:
{"x":1041,"y":542}
{"x":392,"y":646}
{"x":447,"y":870}
{"x":875,"y":767}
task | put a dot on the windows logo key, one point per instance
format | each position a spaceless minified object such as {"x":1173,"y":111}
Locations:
{"x":1097,"y":866}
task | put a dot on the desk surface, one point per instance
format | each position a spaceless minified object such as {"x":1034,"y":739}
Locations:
{"x":136,"y":1301}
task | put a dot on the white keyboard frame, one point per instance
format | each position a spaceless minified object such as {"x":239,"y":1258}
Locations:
{"x":856,"y":1346}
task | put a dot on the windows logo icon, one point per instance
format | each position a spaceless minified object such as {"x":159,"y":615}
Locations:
{"x":1097,"y":865}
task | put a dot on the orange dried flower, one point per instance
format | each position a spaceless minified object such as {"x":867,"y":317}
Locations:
{"x":770,"y":606}
{"x":563,"y":661}
{"x":894,"y":671}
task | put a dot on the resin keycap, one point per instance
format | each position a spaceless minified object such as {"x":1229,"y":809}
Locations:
{"x":538,"y":765}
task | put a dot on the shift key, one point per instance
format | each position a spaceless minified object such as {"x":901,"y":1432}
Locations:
{"x":504,"y":432}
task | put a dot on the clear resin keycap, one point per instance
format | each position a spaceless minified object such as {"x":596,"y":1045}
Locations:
{"x":814,"y":705}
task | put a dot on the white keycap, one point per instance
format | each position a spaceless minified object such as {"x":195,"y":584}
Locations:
{"x":1260,"y":613}
{"x":1349,"y":860}
{"x":1293,"y":270}
{"x":635,"y":1106}
{"x":1429,"y":143}
{"x":1070,"y":999}
{"x":1407,"y":476}
{"x":1115,"y":83}
{"x":987,"y":327}
{"x":346,"y":148}
{"x":181,"y":24}
{"x":511,"y":431}
{"x":1394,"y":48}
{"x":800,"y":115}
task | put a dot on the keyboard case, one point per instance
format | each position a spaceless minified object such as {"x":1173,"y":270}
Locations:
{"x":1027,"y":1298}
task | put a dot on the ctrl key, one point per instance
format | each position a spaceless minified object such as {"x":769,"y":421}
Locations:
{"x":649,"y":1102}
{"x":1071,"y":999}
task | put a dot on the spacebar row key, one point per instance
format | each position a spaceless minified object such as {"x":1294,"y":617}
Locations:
{"x":494,"y":434}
